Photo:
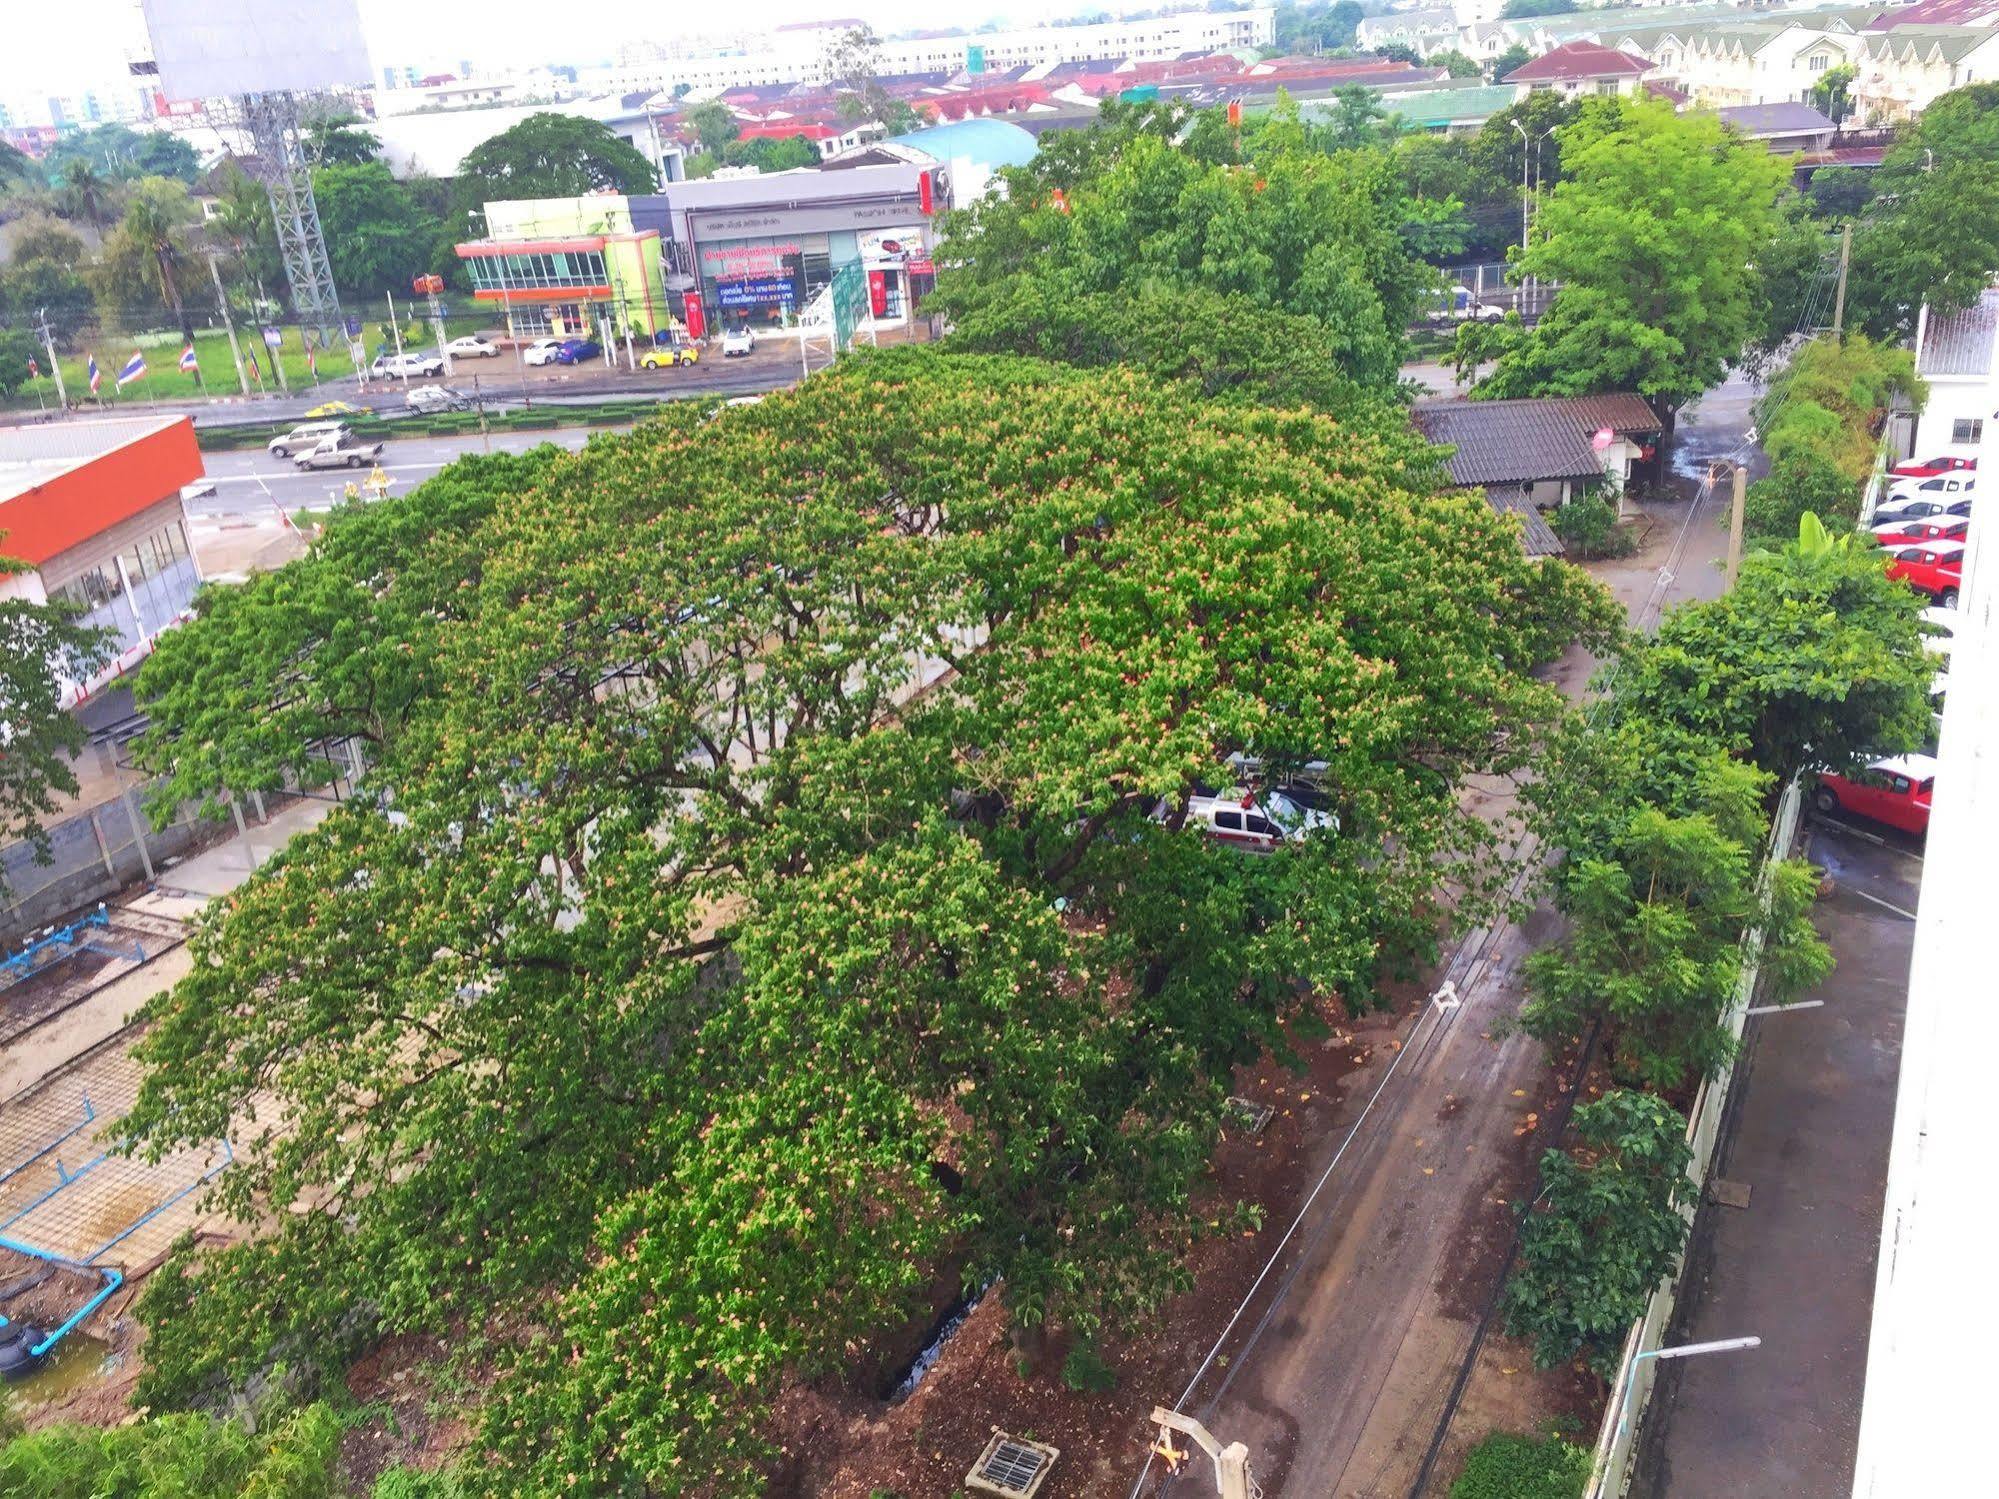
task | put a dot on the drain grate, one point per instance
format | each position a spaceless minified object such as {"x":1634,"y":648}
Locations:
{"x":1011,"y":1466}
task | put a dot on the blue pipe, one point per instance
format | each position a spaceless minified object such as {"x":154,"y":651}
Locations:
{"x":113,"y":1279}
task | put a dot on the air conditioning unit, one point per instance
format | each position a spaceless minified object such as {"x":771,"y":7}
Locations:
{"x":1011,"y":1467}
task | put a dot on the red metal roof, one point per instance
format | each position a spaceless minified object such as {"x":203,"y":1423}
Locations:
{"x":55,"y":500}
{"x":1579,"y":60}
{"x":778,"y":130}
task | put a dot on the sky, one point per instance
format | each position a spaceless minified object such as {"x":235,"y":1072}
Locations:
{"x":57,"y":48}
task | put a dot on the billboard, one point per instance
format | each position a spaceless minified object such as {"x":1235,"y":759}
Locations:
{"x":207,"y":49}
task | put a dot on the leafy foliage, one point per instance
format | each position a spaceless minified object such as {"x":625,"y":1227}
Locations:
{"x":1932,"y":234}
{"x":1802,"y":483}
{"x":1606,"y":1229}
{"x":1588,"y":527}
{"x":1812,"y":660}
{"x":1316,"y":25}
{"x":552,"y":156}
{"x":770,"y":153}
{"x":177,"y":1457}
{"x":1648,"y":236}
{"x":1308,"y":232}
{"x":139,"y":269}
{"x":1224,"y":344}
{"x":713,"y":124}
{"x":715,"y":982}
{"x":1507,"y":1466}
{"x":40,"y":645}
{"x":1657,"y":911}
{"x":376,"y":236}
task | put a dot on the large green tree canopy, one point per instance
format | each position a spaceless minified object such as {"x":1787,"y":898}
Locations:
{"x":552,"y":156}
{"x":377,"y":238}
{"x":1279,"y":222}
{"x":708,"y":958}
{"x":1655,"y":236}
{"x":1931,"y":233}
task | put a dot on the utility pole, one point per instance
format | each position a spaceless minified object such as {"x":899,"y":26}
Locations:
{"x":1839,"y":298}
{"x":228,"y":326}
{"x":1740,"y":479}
{"x":55,"y":365}
{"x":1526,"y":147}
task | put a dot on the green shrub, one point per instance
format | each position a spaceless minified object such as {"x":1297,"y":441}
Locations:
{"x":1085,"y":1370}
{"x":1588,"y":528}
{"x":409,"y":1483}
{"x":1506,"y":1466}
{"x":176,"y":1457}
{"x":1606,"y":1230}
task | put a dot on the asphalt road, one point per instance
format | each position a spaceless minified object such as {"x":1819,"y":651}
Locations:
{"x":252,"y":486}
{"x":1812,"y":1115}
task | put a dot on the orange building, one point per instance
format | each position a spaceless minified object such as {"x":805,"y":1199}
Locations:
{"x":94,"y":510}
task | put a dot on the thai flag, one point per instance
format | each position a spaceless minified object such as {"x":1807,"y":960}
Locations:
{"x":96,"y":374}
{"x":134,"y":368}
{"x":188,"y":366}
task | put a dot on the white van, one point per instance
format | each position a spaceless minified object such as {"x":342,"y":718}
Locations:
{"x":305,"y":438}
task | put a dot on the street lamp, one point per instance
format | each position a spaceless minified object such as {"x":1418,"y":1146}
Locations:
{"x":1530,"y":149}
{"x":1683,"y":1350}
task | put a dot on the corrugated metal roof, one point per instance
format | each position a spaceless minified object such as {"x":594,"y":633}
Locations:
{"x":1537,"y":538}
{"x":1520,"y":441}
{"x":1960,"y":343}
{"x":1787,"y":117}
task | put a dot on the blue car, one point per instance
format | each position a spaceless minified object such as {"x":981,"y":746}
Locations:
{"x":576,"y":350}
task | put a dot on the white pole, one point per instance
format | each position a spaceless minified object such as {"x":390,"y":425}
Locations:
{"x":396,"y":329}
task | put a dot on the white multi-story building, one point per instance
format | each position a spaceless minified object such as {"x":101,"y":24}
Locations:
{"x":802,"y":54}
{"x":1955,"y":356}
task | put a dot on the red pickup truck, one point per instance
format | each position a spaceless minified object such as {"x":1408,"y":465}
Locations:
{"x":1932,"y":567}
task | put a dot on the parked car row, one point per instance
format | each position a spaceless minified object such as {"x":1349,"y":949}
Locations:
{"x":1923,"y":525}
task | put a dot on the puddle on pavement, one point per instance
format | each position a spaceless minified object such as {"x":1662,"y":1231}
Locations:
{"x":78,"y":1361}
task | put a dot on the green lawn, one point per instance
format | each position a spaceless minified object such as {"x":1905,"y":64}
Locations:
{"x":164,"y":381}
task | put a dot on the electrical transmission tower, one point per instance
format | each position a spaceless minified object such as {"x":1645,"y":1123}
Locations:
{"x":272,"y":119}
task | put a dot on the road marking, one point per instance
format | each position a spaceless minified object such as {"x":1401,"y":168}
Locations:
{"x":1877,"y":900}
{"x":1803,"y":1004}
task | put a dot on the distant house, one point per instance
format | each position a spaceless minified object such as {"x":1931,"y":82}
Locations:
{"x":1536,"y":453}
{"x":1787,"y":128}
{"x":1954,"y":355}
{"x":1582,"y":68}
{"x":1425,"y":31}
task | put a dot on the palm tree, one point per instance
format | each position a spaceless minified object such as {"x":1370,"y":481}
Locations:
{"x":84,"y":194}
{"x":157,"y":218}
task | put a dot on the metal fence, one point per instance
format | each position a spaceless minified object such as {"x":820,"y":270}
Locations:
{"x":1631,"y":1388}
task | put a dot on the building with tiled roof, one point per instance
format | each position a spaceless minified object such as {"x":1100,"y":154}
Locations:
{"x":1548,"y":448}
{"x":1582,"y":68}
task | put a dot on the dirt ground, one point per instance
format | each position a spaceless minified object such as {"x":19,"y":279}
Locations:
{"x":840,"y":1445}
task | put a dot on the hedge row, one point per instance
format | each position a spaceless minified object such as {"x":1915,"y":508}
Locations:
{"x":443,"y":424}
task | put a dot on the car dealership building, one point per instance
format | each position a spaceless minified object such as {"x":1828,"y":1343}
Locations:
{"x":734,"y":251}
